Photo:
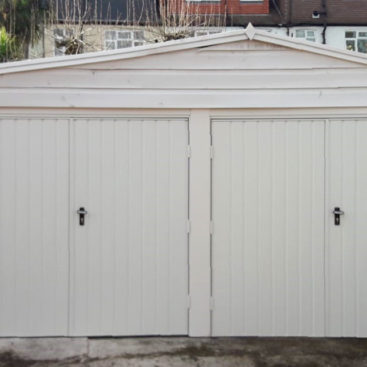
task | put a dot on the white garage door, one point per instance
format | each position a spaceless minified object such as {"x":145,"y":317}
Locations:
{"x":125,"y":271}
{"x":277,"y":253}
{"x":34,"y":212}
{"x":346,"y":188}
{"x":129,"y":270}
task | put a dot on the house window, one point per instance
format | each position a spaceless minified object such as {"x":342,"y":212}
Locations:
{"x":356,"y":41}
{"x":305,"y":34}
{"x":61,"y":37}
{"x":122,"y":39}
{"x":206,"y":32}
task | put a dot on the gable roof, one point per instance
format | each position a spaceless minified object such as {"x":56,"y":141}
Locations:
{"x":250,"y":33}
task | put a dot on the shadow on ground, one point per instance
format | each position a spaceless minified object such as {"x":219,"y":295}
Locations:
{"x":181,"y":352}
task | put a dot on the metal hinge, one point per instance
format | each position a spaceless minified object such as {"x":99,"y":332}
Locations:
{"x":211,"y":303}
{"x":188,"y":226}
{"x":211,"y":227}
{"x":189,"y":151}
{"x":211,"y":152}
{"x":188,"y":301}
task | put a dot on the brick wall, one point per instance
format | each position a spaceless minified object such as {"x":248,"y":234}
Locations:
{"x":338,"y":11}
{"x":220,"y":7}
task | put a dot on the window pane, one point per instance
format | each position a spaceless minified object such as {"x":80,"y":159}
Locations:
{"x":110,"y":35}
{"x":59,"y":51}
{"x":124,"y":44}
{"x":351,"y":45}
{"x":300,"y":33}
{"x":350,"y":34}
{"x":201,"y":33}
{"x":311,"y":34}
{"x":362,"y":46}
{"x":124,"y":35}
{"x":59,"y":32}
{"x":138,"y":43}
{"x":110,"y":45}
{"x":139,"y":35}
{"x":362,"y":34}
{"x":311,"y":39}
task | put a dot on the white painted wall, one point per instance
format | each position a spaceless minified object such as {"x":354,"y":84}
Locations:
{"x":334,"y":35}
{"x":238,"y":74}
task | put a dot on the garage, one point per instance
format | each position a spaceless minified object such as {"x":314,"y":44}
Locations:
{"x":212,"y":186}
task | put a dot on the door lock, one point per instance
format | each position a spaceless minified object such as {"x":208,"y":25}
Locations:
{"x":82,"y":213}
{"x":337,"y":213}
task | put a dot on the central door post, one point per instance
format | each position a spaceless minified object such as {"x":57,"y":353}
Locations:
{"x":199,"y":259}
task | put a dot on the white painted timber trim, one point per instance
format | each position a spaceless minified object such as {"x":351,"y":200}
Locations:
{"x":128,"y":53}
{"x":271,"y":114}
{"x":199,"y":259}
{"x":179,"y":45}
{"x":303,"y":45}
{"x":183,"y":99}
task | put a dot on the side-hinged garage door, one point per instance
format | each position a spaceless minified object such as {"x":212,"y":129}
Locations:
{"x":268,"y":238}
{"x":346,"y":237}
{"x":93,"y":227}
{"x":34,"y":212}
{"x":129,"y":241}
{"x":288,"y":242}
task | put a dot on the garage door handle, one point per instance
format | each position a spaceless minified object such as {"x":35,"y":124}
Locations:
{"x":337,"y":213}
{"x":82,"y":213}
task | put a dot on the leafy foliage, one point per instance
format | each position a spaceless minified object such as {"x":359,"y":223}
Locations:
{"x":22,"y":19}
{"x":9,"y":49}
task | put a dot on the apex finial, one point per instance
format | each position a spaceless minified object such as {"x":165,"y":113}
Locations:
{"x":250,"y":31}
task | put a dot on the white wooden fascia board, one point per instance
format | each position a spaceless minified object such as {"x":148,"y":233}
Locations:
{"x":185,"y":99}
{"x":308,"y":46}
{"x":115,"y":55}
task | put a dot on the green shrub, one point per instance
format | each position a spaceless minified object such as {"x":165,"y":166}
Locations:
{"x":9,"y":50}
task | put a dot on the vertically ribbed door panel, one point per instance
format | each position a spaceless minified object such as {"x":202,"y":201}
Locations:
{"x":129,"y":270}
{"x":34,"y":211}
{"x":268,"y":228}
{"x":347,"y":243}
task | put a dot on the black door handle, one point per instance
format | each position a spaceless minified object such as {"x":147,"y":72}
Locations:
{"x":82,"y":213}
{"x":337,"y":213}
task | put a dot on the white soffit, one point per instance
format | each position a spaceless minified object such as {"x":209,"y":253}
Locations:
{"x":250,"y":33}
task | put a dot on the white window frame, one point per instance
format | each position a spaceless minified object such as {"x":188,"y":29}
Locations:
{"x":309,"y":34}
{"x":359,"y":35}
{"x":117,"y":40}
{"x":60,"y":51}
{"x":206,"y":31}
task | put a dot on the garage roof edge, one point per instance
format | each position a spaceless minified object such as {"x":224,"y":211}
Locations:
{"x":250,"y":32}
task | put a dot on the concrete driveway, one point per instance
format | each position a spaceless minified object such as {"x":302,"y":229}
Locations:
{"x":180,"y":352}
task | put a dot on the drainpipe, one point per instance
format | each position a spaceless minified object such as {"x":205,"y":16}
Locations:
{"x":324,"y":10}
{"x":289,"y":15}
{"x":323,"y":13}
{"x":226,"y":13}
